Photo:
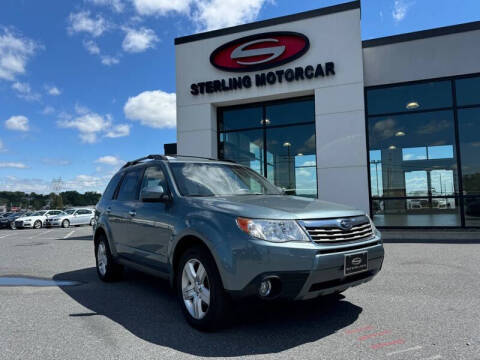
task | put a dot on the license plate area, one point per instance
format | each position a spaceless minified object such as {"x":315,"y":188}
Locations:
{"x":356,"y":263}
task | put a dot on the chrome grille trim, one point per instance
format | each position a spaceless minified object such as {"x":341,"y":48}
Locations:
{"x":331,"y":231}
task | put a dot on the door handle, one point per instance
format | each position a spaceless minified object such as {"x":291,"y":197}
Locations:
{"x":108,"y":210}
{"x":132,"y":212}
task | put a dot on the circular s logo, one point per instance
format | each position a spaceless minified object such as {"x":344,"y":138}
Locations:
{"x":261,"y":51}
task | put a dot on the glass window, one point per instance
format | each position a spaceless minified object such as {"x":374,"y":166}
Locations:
{"x":243,"y":118}
{"x":112,"y":186}
{"x":472,"y":211}
{"x":294,"y":158}
{"x":290,"y":113}
{"x":129,"y":186}
{"x":425,"y":96}
{"x":153,"y":177}
{"x":243,"y":147}
{"x":416,"y":212}
{"x":288,"y":159}
{"x":468,"y":91}
{"x":469,"y":133}
{"x":402,"y":146}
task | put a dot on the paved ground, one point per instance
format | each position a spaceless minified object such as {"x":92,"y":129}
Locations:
{"x":424,"y":305}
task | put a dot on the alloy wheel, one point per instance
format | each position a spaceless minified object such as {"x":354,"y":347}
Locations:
{"x":195,"y":289}
{"x":102,"y":259}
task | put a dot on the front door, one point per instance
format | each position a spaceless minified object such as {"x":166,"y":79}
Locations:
{"x":151,"y":228}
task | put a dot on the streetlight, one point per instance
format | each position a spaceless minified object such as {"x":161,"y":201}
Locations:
{"x":288,"y":146}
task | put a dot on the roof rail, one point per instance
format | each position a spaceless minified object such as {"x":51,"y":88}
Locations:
{"x":149,"y":157}
{"x":200,"y":157}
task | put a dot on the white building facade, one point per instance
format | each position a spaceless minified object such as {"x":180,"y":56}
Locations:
{"x":384,"y":125}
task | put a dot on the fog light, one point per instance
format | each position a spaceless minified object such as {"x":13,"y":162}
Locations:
{"x":265,"y":288}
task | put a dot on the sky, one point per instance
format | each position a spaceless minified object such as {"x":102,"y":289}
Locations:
{"x":88,"y":84}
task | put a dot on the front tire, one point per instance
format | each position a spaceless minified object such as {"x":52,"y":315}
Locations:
{"x":12,"y":226}
{"x":107,"y":269}
{"x":200,"y":291}
{"x":37,"y":224}
{"x":92,"y":222}
{"x":65,"y":224}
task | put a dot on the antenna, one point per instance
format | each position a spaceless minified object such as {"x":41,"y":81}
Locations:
{"x":57,"y":185}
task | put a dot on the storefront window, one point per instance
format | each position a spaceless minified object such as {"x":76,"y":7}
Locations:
{"x":413,"y":157}
{"x":288,"y":155}
{"x":468,"y":91}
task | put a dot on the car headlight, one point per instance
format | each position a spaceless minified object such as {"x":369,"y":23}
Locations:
{"x":273,"y":230}
{"x":27,"y":219}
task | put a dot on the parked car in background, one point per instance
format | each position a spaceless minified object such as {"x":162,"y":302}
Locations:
{"x":9,"y":221}
{"x":72,"y":217}
{"x":37,"y":219}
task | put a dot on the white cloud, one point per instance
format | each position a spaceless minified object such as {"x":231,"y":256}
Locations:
{"x":53,"y":90}
{"x":138,"y":40}
{"x":118,"y":131}
{"x":24,"y":91}
{"x":109,"y":60}
{"x":80,"y":183}
{"x":109,"y":160}
{"x":91,"y":125}
{"x":400,"y":10}
{"x":2,"y":147}
{"x":215,"y":14}
{"x":156,"y":109}
{"x":13,"y":165}
{"x":91,"y":47}
{"x":18,"y":123}
{"x":47,"y":110}
{"x":161,"y":7}
{"x":83,"y":22}
{"x":115,"y":5}
{"x":15,"y":52}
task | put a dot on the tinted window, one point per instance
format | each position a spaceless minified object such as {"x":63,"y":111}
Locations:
{"x":407,"y":98}
{"x":153,"y":177}
{"x":241,"y":118}
{"x":112,"y":186}
{"x":290,"y":113}
{"x":129,"y":186}
{"x":468,"y":91}
{"x":83,"y":212}
{"x":469,"y":129}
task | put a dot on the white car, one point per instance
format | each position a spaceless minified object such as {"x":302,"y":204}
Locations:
{"x":72,"y":217}
{"x":36,"y":220}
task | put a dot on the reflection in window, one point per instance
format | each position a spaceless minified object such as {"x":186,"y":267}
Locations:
{"x":468,"y":91}
{"x":416,"y":183}
{"x":289,"y":155}
{"x":418,"y":153}
{"x":469,"y":130}
{"x":376,"y":172}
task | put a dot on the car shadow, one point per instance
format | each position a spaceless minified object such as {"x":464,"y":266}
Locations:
{"x":148,"y":308}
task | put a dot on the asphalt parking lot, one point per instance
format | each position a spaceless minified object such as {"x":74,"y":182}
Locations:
{"x":425,"y":304}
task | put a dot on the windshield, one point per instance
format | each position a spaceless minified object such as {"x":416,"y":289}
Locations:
{"x":69,"y":212}
{"x":205,"y":179}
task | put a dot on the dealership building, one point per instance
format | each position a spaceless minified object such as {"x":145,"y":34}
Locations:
{"x":389,"y":125}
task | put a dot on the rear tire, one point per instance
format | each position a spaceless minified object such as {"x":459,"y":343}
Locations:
{"x":202,"y":314}
{"x":12,"y":226}
{"x":65,"y":223}
{"x":107,"y":269}
{"x":92,"y":222}
{"x":37,"y":224}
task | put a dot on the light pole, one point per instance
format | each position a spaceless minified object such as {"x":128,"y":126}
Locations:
{"x":288,"y":146}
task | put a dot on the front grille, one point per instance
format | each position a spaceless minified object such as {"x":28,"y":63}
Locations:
{"x":18,"y":223}
{"x":330,"y":231}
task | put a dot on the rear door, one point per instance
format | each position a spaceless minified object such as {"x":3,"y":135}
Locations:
{"x":122,"y":209}
{"x":83,"y":216}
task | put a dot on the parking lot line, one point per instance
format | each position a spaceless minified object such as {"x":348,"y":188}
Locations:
{"x":4,"y":236}
{"x":436,"y":357}
{"x":69,"y":234}
{"x":404,"y":350}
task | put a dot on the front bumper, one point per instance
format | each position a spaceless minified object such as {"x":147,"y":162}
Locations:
{"x":306,"y":271}
{"x":23,"y":224}
{"x":52,"y":223}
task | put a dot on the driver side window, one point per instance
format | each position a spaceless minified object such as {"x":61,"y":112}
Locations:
{"x":153,"y":177}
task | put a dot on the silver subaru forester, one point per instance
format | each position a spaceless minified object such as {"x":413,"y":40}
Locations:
{"x":219,"y":232}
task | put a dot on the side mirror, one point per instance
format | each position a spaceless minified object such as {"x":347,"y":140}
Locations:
{"x":154,"y":194}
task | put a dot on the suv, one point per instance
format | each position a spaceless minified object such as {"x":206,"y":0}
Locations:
{"x":219,"y":231}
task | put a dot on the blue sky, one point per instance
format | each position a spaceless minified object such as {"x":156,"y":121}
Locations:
{"x":87,"y":84}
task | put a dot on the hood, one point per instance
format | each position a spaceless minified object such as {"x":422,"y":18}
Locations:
{"x":280,"y":207}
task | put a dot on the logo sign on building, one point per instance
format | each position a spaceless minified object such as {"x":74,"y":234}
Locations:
{"x":260,"y":52}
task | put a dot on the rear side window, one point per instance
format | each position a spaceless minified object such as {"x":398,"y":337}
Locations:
{"x":111,"y":187}
{"x":129,"y":187}
{"x":83,"y":212}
